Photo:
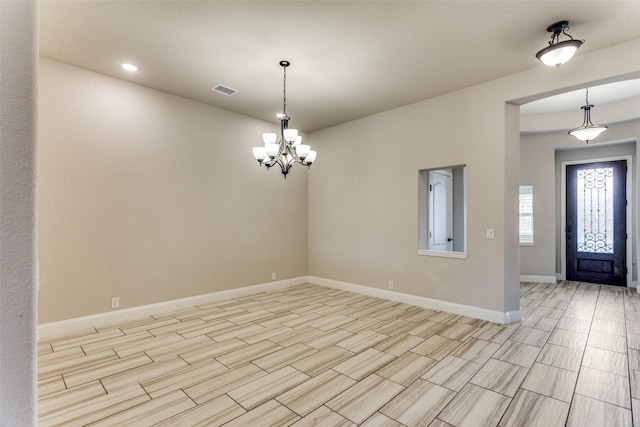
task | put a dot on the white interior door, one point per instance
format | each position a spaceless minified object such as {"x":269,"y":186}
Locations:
{"x":441,"y":210}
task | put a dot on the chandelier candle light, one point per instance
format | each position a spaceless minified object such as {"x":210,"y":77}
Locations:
{"x":558,"y":52}
{"x":587,"y":131}
{"x":289,"y":149}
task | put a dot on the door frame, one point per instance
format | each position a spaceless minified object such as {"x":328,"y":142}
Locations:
{"x":563,"y":211}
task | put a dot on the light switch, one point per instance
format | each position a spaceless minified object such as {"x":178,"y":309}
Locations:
{"x":490,"y":233}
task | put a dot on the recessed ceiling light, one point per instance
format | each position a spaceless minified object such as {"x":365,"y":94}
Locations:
{"x":129,"y":67}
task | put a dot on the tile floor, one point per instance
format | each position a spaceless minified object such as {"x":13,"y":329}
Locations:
{"x":310,"y":355}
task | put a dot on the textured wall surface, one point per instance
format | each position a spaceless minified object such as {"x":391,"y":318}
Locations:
{"x":18,"y":277}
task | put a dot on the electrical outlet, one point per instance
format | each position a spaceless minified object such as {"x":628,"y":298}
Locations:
{"x":390,"y":284}
{"x":115,"y":302}
{"x":273,"y":276}
{"x":490,"y":233}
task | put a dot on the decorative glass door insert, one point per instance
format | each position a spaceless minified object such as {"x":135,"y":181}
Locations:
{"x":594,"y":193}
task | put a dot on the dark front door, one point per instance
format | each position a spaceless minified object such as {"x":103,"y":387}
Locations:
{"x":596,"y":222}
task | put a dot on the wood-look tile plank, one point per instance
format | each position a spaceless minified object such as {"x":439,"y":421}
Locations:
{"x":179,"y":347}
{"x":418,"y":404}
{"x":85,"y":339}
{"x":436,"y":347}
{"x":322,"y":360}
{"x":517,"y":353}
{"x":321,"y":417}
{"x":501,"y":377}
{"x":550,"y":381}
{"x":606,"y":360}
{"x":147,"y":344}
{"x":267,"y":387}
{"x":44,"y":348}
{"x":399,"y":344}
{"x":365,"y":398}
{"x":301,"y":334}
{"x":150,"y":412}
{"x":494,"y":333}
{"x":215,"y":349}
{"x":591,"y":412}
{"x":532,"y":409}
{"x":221,"y":383}
{"x":604,"y":386}
{"x":607,"y":341}
{"x":111,"y":343}
{"x":328,"y":339}
{"x":283,"y":357}
{"x":452,"y":372}
{"x":67,"y":399}
{"x":475,"y":406}
{"x":311,"y":394}
{"x":50,"y":385}
{"x":569,"y":339}
{"x":271,"y":413}
{"x":68,"y":336}
{"x":72,"y":364}
{"x":204,"y":328}
{"x":60,"y":356}
{"x":362,"y":341}
{"x":380,"y":420}
{"x":214,"y":413}
{"x":459,"y":331}
{"x":182,"y":378}
{"x":142,"y":373}
{"x":100,"y":370}
{"x":531,"y":336}
{"x":406,"y":368}
{"x":146,"y":324}
{"x":427,"y":329}
{"x":363,"y":364}
{"x":94,"y":409}
{"x":561,"y":357}
{"x":248,"y":353}
{"x":476,"y":350}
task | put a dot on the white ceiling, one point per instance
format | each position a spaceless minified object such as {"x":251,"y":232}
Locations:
{"x":598,"y":96}
{"x":350,"y":59}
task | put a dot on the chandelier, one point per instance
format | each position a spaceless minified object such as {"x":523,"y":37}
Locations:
{"x":587,"y":131}
{"x":289,"y":149}
{"x":558,"y":52}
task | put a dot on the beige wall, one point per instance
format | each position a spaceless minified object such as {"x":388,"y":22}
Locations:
{"x":542,"y":170}
{"x":18,"y":258}
{"x":151,"y":197}
{"x":363,"y":213}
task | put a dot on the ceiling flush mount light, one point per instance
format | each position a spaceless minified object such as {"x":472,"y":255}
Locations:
{"x":558,"y":52}
{"x":588,"y":130}
{"x":129,"y":67}
{"x":289,"y":149}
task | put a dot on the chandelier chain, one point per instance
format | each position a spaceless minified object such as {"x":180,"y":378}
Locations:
{"x":284,"y":92}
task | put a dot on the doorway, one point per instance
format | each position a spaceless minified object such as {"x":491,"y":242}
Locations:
{"x":596,"y":222}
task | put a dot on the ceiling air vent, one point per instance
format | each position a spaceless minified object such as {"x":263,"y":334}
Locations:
{"x":226,"y":90}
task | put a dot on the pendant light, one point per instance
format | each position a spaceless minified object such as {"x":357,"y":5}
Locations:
{"x":587,"y":131}
{"x":289,"y":149}
{"x":558,"y":52}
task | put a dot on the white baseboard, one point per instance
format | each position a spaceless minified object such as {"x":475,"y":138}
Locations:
{"x":118,"y":316}
{"x":538,"y":279}
{"x":62,"y":327}
{"x":450,"y":307}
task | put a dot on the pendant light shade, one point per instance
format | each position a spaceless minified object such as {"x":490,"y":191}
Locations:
{"x":587,"y":131}
{"x":558,"y":52}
